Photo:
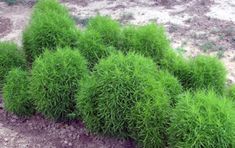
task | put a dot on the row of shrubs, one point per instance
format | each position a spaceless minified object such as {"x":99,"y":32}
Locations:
{"x":123,"y":81}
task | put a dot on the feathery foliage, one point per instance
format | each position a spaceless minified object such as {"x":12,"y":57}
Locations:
{"x":149,"y":40}
{"x":50,"y":27}
{"x":10,"y":57}
{"x":91,"y":46}
{"x":108,"y":29}
{"x":116,"y":84}
{"x":207,"y":72}
{"x":201,"y":72}
{"x":176,"y":65}
{"x":148,"y":119}
{"x":202,"y":120}
{"x":55,"y":81}
{"x":171,"y":85}
{"x":230,"y":92}
{"x":16,"y":95}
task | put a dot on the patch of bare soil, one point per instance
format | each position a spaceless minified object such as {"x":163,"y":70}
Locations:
{"x":17,"y":17}
{"x":37,"y":132}
{"x":5,"y":26}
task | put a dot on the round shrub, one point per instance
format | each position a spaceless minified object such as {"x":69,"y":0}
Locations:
{"x":55,"y":81}
{"x":207,"y":72}
{"x":148,"y":119}
{"x":48,"y":29}
{"x":230,"y":92}
{"x":177,"y":65}
{"x":16,"y":96}
{"x":10,"y":57}
{"x":116,"y":84}
{"x":43,"y":6}
{"x":201,"y":72}
{"x":92,"y":47}
{"x":149,"y":40}
{"x":128,"y":40}
{"x":171,"y":85}
{"x":108,"y":29}
{"x":202,"y":120}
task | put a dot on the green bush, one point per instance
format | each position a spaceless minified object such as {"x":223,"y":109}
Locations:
{"x":49,"y":28}
{"x":202,"y":120}
{"x":10,"y":57}
{"x":16,"y":94}
{"x":148,"y":119}
{"x":92,"y":47}
{"x":171,"y":85}
{"x":55,"y":81}
{"x":177,"y":65}
{"x":207,"y":72}
{"x":149,"y":40}
{"x":230,"y":92}
{"x":43,"y":6}
{"x":201,"y":72}
{"x":108,"y":29}
{"x":116,"y":84}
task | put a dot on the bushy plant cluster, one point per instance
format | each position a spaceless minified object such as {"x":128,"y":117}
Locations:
{"x":202,"y":119}
{"x":55,"y":81}
{"x":50,"y":27}
{"x":123,"y":81}
{"x":148,"y":120}
{"x":108,"y":29}
{"x":230,"y":92}
{"x":117,"y":83}
{"x":92,"y":48}
{"x":16,"y":94}
{"x":10,"y":57}
{"x":149,"y":40}
{"x":207,"y":72}
{"x":171,"y":85}
{"x":200,"y":72}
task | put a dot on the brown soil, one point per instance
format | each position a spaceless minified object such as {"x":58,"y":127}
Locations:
{"x":5,"y":26}
{"x":37,"y":132}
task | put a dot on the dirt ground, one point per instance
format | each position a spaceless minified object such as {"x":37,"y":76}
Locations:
{"x":194,"y":27}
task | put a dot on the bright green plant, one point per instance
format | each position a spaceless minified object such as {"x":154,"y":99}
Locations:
{"x":171,"y":85}
{"x":43,"y":6}
{"x":10,"y":57}
{"x":108,"y":29}
{"x":49,"y":28}
{"x":128,"y":40}
{"x":177,"y":66}
{"x":55,"y":81}
{"x":207,"y":72}
{"x":201,"y":72}
{"x":230,"y":92}
{"x":91,"y":46}
{"x":148,"y":119}
{"x":16,"y":95}
{"x":149,"y":40}
{"x":116,"y":84}
{"x":202,"y":120}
